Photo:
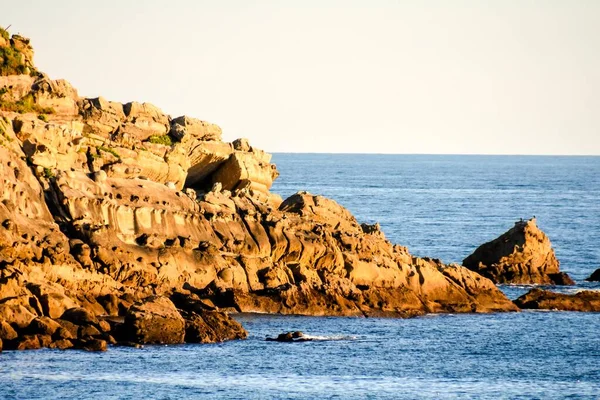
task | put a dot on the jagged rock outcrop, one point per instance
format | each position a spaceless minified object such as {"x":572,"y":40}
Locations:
{"x":522,"y":255}
{"x":107,"y":205}
{"x":594,"y":277}
{"x":155,"y":321}
{"x":538,"y":299}
{"x":202,"y":130}
{"x":211,"y":327}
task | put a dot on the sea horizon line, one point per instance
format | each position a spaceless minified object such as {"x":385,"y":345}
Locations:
{"x":436,"y":154}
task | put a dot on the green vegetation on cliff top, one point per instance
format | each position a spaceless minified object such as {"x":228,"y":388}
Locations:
{"x":25,"y":105}
{"x":12,"y":60}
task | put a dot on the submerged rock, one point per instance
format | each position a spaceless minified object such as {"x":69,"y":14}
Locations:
{"x":522,"y":255}
{"x":296,"y":336}
{"x":538,"y":299}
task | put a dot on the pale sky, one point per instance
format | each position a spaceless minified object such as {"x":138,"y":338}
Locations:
{"x":457,"y":77}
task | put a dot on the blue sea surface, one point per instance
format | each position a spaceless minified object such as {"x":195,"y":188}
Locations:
{"x":438,"y":206}
{"x":445,"y":206}
{"x":518,"y":355}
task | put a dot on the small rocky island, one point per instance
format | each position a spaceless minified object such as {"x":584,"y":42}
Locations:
{"x":585,"y":300}
{"x":120,"y":224}
{"x":522,"y":255}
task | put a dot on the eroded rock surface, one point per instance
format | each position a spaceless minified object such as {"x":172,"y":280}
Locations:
{"x":585,"y":300}
{"x":155,"y":321}
{"x":109,"y":207}
{"x":521,"y":255}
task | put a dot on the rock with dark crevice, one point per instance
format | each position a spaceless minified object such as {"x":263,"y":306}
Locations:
{"x":26,"y":342}
{"x":68,"y":329}
{"x":211,"y":327}
{"x":155,"y":321}
{"x":7,"y":332}
{"x":43,"y":326}
{"x":79,"y":316}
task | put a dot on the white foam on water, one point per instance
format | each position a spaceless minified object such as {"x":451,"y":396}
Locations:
{"x":329,"y":338}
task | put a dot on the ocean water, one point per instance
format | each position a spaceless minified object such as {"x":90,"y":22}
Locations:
{"x":445,"y":206}
{"x":439,"y":206}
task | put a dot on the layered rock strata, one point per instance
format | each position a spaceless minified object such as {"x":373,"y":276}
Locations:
{"x":106,"y":206}
{"x":522,"y":255}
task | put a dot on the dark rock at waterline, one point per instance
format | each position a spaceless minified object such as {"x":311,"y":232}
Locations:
{"x":562,"y":279}
{"x":538,"y":299}
{"x":296,"y":336}
{"x":26,"y":342}
{"x":155,"y":321}
{"x":61,"y":344}
{"x":211,"y":327}
{"x":94,"y":345}
{"x":108,"y":338}
{"x":594,"y":277}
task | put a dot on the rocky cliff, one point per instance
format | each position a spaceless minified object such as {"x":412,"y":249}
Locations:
{"x":107,"y":204}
